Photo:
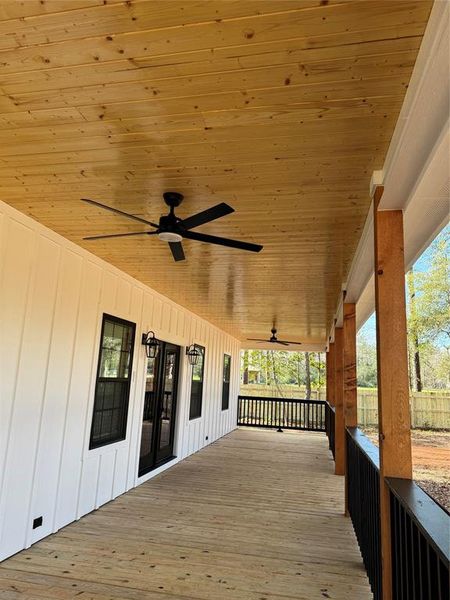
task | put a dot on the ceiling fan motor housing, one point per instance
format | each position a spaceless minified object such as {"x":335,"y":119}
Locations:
{"x":169,"y":229}
{"x":168,"y":222}
{"x":173,"y":199}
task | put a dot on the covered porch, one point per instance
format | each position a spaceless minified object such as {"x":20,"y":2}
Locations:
{"x":310,"y":141}
{"x":257,"y":515}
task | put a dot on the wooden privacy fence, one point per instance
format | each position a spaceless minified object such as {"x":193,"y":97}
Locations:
{"x":281,"y":391}
{"x":429,"y":410}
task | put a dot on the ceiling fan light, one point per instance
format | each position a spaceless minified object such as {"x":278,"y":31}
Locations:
{"x":169,"y":236}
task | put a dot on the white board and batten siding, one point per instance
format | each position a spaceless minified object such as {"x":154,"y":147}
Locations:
{"x":52,"y":298}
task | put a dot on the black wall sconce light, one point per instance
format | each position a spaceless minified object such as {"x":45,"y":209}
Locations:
{"x":193,"y":354}
{"x":151,"y":344}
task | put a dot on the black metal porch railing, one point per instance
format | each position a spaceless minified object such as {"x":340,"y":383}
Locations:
{"x":330,"y":425}
{"x":420,"y":528}
{"x":363,"y":494}
{"x":281,"y":413}
{"x":420,"y":544}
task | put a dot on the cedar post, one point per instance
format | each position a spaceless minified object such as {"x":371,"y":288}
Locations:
{"x":339,"y":432}
{"x":330,"y":374}
{"x":350,"y":389}
{"x":393,"y":386}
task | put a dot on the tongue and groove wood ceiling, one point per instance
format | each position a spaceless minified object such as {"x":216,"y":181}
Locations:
{"x":280,"y":108}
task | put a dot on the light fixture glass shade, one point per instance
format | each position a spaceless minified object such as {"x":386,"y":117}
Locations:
{"x":193,"y":354}
{"x":169,"y":236}
{"x":151,"y":344}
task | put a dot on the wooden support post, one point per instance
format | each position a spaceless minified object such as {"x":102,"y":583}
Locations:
{"x":393,"y":387}
{"x":330,"y":374}
{"x":339,"y":432}
{"x":350,"y":389}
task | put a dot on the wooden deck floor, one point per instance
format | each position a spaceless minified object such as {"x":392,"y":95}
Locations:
{"x":255,"y":516}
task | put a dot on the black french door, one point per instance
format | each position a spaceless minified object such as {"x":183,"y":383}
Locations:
{"x":158,"y":421}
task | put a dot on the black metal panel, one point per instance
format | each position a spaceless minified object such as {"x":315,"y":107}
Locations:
{"x":420,"y":543}
{"x":281,"y":413}
{"x":363,"y":493}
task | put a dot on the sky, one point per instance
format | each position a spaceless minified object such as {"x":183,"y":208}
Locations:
{"x":368,"y":330}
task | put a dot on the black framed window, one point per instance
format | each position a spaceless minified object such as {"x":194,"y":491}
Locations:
{"x":112,"y":388}
{"x":226,"y":381}
{"x":195,"y":409}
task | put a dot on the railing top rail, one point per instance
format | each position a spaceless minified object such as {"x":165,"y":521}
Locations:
{"x":432,"y":519}
{"x":366,"y":446}
{"x":333,"y":408}
{"x":245,"y":397}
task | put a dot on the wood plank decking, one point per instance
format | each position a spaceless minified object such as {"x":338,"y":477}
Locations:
{"x":256,"y":516}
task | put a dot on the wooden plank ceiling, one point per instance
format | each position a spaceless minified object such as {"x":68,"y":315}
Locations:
{"x":280,"y":108}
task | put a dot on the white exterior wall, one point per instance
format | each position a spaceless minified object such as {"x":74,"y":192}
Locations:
{"x":52,"y":298}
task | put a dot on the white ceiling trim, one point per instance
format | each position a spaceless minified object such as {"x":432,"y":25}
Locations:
{"x":424,"y":112}
{"x":416,"y":173}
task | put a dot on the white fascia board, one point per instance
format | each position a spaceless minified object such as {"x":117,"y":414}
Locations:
{"x":366,"y":303}
{"x":427,"y":212}
{"x":427,"y":209}
{"x":416,"y":171}
{"x":424,"y":112}
{"x":339,"y":315}
{"x":362,"y":265}
{"x":338,"y":320}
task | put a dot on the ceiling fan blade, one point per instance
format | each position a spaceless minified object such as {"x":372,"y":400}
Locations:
{"x":115,"y":235}
{"x":282,"y":343}
{"x":210,"y":214}
{"x":118,"y":212}
{"x":177,"y":251}
{"x":212,"y":239}
{"x":256,"y":340}
{"x":289,"y":343}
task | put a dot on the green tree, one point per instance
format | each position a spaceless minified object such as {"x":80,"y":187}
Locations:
{"x":307,"y":376}
{"x":414,"y":324}
{"x":366,"y":363}
{"x":245,"y":364}
{"x":276,"y":368}
{"x":429,"y":316}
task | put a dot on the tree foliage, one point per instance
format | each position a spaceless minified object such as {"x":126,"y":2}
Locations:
{"x":429,"y":318}
{"x":276,"y":367}
{"x":366,"y":367}
{"x":428,"y":314}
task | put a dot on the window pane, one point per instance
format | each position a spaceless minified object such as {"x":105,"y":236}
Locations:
{"x":197,"y":369}
{"x":113,"y":382}
{"x":116,"y":349}
{"x":226,"y":381}
{"x":226,"y":367}
{"x":195,"y":410}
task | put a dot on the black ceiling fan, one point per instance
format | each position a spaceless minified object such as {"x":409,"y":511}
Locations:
{"x":172,"y":229}
{"x":274,"y":340}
